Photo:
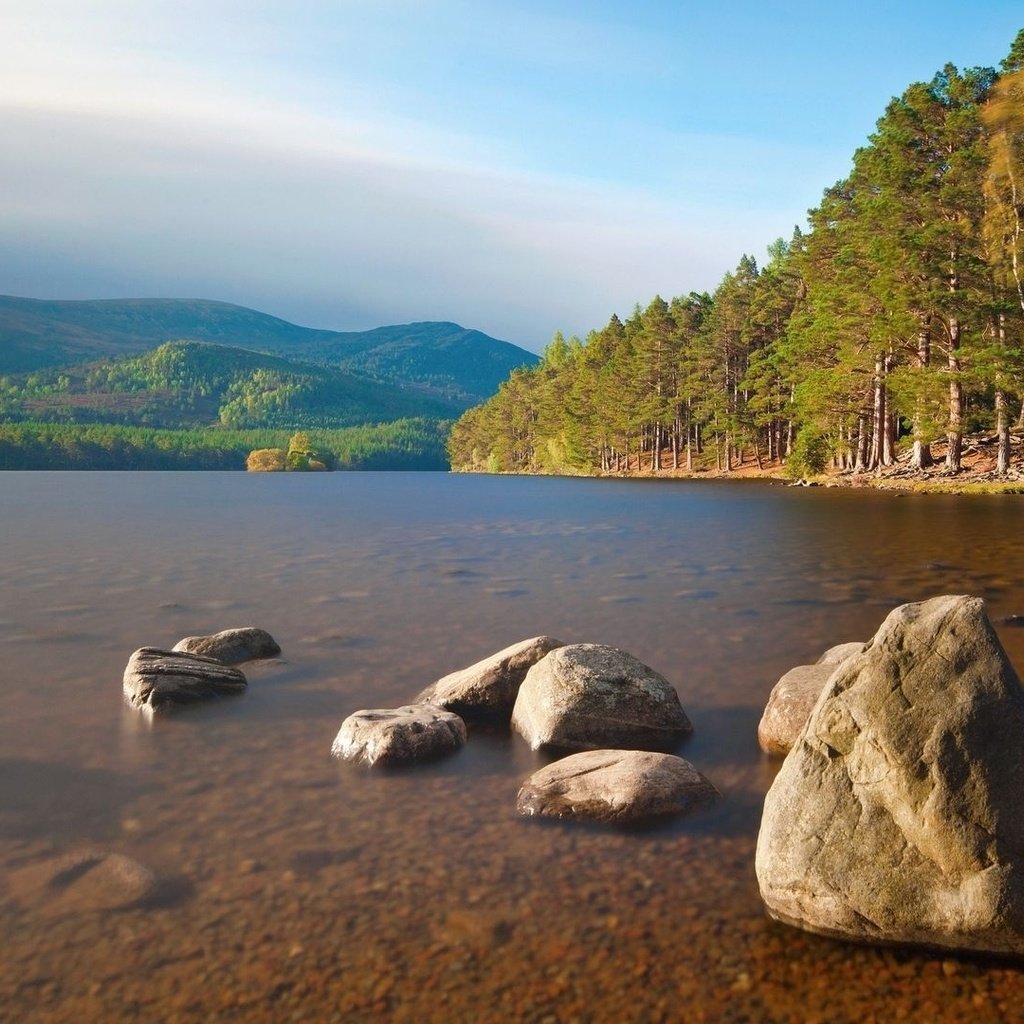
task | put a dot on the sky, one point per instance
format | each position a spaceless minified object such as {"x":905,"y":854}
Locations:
{"x":516,"y":167}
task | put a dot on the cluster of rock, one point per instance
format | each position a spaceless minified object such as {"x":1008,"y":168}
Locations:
{"x":898,"y":813}
{"x":197,"y":668}
{"x":619,"y":713}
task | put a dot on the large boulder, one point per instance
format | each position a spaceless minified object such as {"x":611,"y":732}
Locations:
{"x":589,"y":696}
{"x":157,"y":680}
{"x":395,"y":735}
{"x":793,"y":697}
{"x":621,"y":786}
{"x":898,"y":816}
{"x":232,"y":646}
{"x":489,"y":688}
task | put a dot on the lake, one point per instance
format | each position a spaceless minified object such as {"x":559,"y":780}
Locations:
{"x":299,"y":888}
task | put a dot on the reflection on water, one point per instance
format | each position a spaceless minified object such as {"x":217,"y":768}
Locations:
{"x":313,"y":890}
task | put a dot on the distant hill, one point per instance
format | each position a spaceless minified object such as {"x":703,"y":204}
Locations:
{"x":457,"y":366}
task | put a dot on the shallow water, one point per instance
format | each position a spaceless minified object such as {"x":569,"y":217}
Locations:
{"x":295,"y":887}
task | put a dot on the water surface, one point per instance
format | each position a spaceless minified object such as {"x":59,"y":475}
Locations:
{"x":299,"y":888}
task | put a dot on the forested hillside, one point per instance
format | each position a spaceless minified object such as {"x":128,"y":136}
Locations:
{"x":187,"y":384}
{"x":896,"y":320}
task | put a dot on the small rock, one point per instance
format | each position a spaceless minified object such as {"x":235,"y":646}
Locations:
{"x":619,"y":786}
{"x":407,"y":733}
{"x":793,"y":697}
{"x":155,"y":680}
{"x":789,"y":706}
{"x":589,"y":696}
{"x":232,"y":646}
{"x":489,"y":688}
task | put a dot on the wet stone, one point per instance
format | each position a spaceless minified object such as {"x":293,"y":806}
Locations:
{"x":590,"y":696}
{"x":397,"y":735}
{"x":488,"y":688}
{"x":232,"y":646}
{"x":157,"y":680}
{"x":621,"y":786}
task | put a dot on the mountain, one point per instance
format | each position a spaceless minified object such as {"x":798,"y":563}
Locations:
{"x":458,"y":366}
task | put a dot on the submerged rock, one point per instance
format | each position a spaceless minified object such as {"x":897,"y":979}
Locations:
{"x":232,"y":646}
{"x":488,"y":689}
{"x":88,"y":880}
{"x":156,"y":680}
{"x":589,"y":696}
{"x":392,"y":735}
{"x":619,"y":786}
{"x":898,"y":816}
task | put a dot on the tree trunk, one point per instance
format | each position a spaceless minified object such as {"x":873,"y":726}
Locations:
{"x":878,"y":413}
{"x":860,"y":465}
{"x":921,"y":456}
{"x":955,"y":434}
{"x":1003,"y":433}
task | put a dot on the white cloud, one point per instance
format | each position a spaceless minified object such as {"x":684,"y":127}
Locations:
{"x":134,"y":164}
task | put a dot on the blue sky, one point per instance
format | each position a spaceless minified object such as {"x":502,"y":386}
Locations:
{"x":515,"y":167}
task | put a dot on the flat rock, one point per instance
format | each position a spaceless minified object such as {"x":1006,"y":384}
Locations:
{"x":156,"y":680}
{"x":489,"y":688}
{"x":621,"y":786}
{"x":898,"y":816}
{"x":87,"y":880}
{"x":589,"y":696}
{"x":232,"y":646}
{"x":395,"y":735}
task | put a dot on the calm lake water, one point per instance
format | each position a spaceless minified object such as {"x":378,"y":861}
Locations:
{"x":298,"y":888}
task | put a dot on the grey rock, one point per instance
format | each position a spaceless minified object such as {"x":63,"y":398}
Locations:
{"x":898,"y":816}
{"x":232,"y":646}
{"x":393,"y":735}
{"x":157,"y":680}
{"x":87,"y":880}
{"x":620,"y":786}
{"x":489,"y":688}
{"x":589,"y":696}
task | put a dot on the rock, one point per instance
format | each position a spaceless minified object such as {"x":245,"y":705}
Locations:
{"x":620,"y":786}
{"x":489,"y":688}
{"x":156,"y":680}
{"x":408,"y":733}
{"x":789,"y":705}
{"x":589,"y":696}
{"x":88,"y":880}
{"x":898,"y":816}
{"x":793,"y":697}
{"x":838,"y":654}
{"x":232,"y":646}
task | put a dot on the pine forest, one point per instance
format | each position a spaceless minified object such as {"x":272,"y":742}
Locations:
{"x":893,"y":324}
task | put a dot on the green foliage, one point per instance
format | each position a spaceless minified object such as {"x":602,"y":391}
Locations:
{"x":809,"y":456}
{"x":399,"y":445}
